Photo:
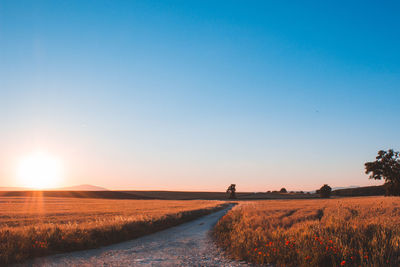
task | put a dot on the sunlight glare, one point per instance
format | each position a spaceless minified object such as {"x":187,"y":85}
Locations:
{"x":40,"y":171}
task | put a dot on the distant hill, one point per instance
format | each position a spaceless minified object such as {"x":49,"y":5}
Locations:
{"x":14,"y":189}
{"x":345,"y":187}
{"x":336,"y":188}
{"x":72,"y":194}
{"x":188,"y":195}
{"x":361,"y":191}
{"x":83,"y":187}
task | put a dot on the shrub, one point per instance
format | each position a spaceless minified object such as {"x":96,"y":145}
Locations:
{"x":325,"y":191}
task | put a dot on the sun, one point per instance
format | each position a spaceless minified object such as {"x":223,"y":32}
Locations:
{"x":39,"y":171}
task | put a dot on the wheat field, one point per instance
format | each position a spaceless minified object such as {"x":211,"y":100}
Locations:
{"x":325,"y":232}
{"x":38,"y":226}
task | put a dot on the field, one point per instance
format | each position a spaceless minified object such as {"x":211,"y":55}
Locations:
{"x":182,"y":195}
{"x":37,"y":226}
{"x":331,"y":232}
{"x":166,"y":195}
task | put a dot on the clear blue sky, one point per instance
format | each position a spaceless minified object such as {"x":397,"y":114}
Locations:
{"x":195,"y":95}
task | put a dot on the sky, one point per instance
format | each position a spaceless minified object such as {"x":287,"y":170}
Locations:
{"x":196,"y":95}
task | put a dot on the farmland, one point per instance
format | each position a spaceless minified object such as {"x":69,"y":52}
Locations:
{"x":165,"y":195}
{"x":284,"y":232}
{"x":331,"y":232}
{"x":38,"y":226}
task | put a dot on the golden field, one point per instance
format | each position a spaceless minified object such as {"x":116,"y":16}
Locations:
{"x":323,"y":232}
{"x":37,"y":226}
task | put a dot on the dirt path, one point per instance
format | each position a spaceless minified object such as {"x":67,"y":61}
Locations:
{"x":188,"y":244}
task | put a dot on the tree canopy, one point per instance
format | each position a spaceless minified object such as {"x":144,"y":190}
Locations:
{"x":231,"y":191}
{"x":325,"y":191}
{"x":386,"y":167}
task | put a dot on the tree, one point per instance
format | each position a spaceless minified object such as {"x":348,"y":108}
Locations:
{"x":386,"y":167}
{"x":325,"y":191}
{"x":231,"y":191}
{"x":283,"y":190}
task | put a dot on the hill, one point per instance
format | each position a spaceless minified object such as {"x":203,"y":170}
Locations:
{"x":83,"y":187}
{"x":378,"y":190}
{"x":187,"y":195}
{"x":73,"y":194}
{"x":10,"y":188}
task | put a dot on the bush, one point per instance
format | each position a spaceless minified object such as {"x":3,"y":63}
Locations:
{"x":325,"y":191}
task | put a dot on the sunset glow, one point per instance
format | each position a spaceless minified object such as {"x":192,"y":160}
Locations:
{"x":150,"y":95}
{"x":39,"y":171}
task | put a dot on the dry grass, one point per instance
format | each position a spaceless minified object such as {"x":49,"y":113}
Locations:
{"x":333,"y":232}
{"x":38,"y":226}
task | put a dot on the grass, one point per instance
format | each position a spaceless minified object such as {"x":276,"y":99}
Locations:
{"x":38,"y":226}
{"x":332,"y":232}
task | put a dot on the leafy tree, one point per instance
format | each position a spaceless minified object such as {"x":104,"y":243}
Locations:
{"x":231,"y":191}
{"x":283,"y":190}
{"x":386,"y":167}
{"x":325,"y":191}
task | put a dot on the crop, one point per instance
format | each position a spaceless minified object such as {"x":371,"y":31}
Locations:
{"x":38,"y":226}
{"x":332,"y":232}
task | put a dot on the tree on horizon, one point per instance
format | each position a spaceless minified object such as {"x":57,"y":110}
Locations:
{"x":325,"y":191}
{"x":386,"y":167}
{"x":231,"y":191}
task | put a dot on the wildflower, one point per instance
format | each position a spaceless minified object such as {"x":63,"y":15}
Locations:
{"x":343,"y":263}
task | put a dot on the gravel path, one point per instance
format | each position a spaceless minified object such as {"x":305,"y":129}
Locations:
{"x":188,"y":244}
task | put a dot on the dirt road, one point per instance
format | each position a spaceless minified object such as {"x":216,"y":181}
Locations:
{"x":188,"y":244}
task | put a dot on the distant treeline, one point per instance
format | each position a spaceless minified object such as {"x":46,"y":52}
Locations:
{"x":361,"y":191}
{"x":176,"y":195}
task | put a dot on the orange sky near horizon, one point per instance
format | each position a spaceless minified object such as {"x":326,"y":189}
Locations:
{"x":81,"y":167}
